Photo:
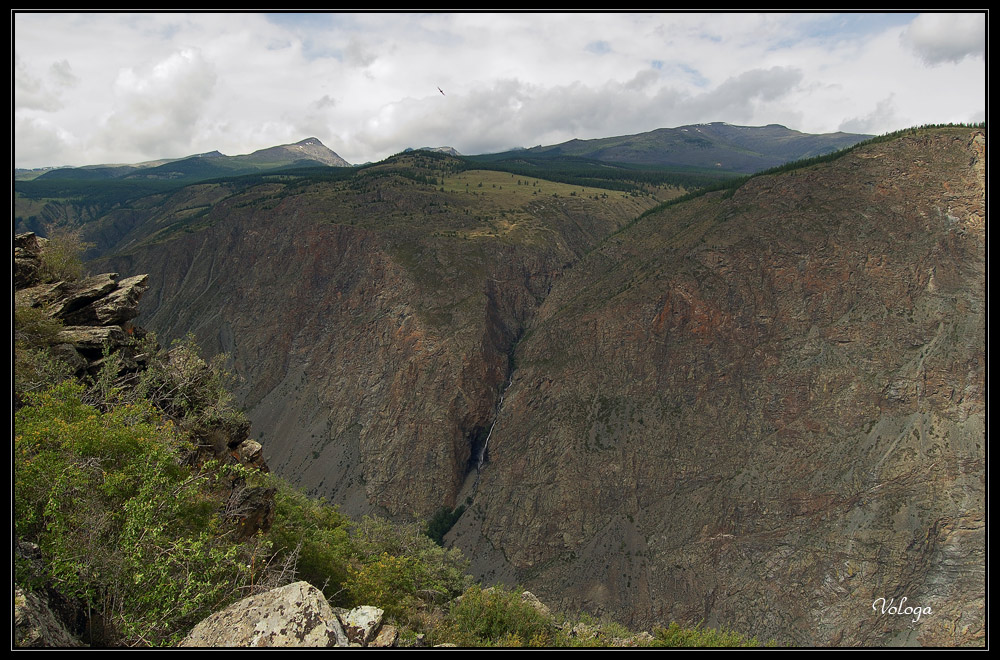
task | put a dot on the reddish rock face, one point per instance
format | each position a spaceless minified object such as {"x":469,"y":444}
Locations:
{"x":372,"y":324}
{"x":762,"y":411}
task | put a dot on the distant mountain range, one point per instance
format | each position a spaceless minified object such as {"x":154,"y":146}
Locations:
{"x":719,"y":146}
{"x":451,"y":151}
{"x":306,"y":153}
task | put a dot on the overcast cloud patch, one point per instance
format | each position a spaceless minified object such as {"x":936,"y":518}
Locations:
{"x":108,"y":85}
{"x":31,"y":91}
{"x":941,"y":38}
{"x":158,"y":108}
{"x":884,"y":113}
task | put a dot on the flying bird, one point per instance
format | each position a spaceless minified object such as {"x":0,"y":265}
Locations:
{"x":442,"y":91}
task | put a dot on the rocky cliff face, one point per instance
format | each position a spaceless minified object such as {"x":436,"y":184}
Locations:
{"x":372,"y":323}
{"x":764,"y":411}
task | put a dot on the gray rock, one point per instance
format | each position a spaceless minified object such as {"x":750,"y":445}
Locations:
{"x":69,"y":355}
{"x":251,"y":453}
{"x":88,"y":338}
{"x":75,"y":296}
{"x":35,"y":624}
{"x":27,"y":265}
{"x":584,"y":631}
{"x":540,"y":607}
{"x":116,"y":306}
{"x":386,"y":638}
{"x":362,"y":624}
{"x":253,"y":509}
{"x":296,"y":615}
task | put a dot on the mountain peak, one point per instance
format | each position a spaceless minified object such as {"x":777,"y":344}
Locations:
{"x":308,"y":149}
{"x":451,"y":151}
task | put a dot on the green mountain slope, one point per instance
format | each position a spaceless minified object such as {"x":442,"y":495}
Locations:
{"x":716,"y":146}
{"x":308,"y":152}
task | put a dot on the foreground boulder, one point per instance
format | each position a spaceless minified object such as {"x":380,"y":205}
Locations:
{"x":296,"y":615}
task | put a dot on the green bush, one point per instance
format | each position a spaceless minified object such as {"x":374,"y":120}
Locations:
{"x":314,"y":536}
{"x":121,"y":524}
{"x":35,"y":368}
{"x":34,"y":328}
{"x":495,"y":617}
{"x":397,"y":566}
{"x":179,"y":382}
{"x":62,"y":254}
{"x":387,"y":581}
{"x":699,"y":637}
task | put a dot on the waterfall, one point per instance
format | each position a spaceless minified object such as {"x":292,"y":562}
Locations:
{"x":496,"y":417}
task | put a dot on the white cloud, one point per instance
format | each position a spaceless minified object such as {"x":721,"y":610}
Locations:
{"x":62,"y":74}
{"x":941,"y":38}
{"x":38,"y":138}
{"x":884,"y":114}
{"x":157,"y":109}
{"x":123,"y":87}
{"x":32,"y":91}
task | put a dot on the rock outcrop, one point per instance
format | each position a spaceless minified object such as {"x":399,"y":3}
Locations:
{"x":296,"y":615}
{"x":96,"y":311}
{"x":362,"y":624}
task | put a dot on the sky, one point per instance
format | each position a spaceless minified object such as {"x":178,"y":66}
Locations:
{"x":94,"y":88}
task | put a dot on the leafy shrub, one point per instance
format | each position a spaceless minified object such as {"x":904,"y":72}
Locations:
{"x":495,"y":617}
{"x":120,"y":523}
{"x":62,"y":254}
{"x":315,"y":536}
{"x":34,"y":328}
{"x":389,"y":582}
{"x":178,"y":382}
{"x":397,"y":566}
{"x":35,"y":368}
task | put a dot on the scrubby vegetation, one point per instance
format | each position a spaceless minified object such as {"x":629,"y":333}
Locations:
{"x":122,"y":526}
{"x":675,"y":636}
{"x":496,"y":617}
